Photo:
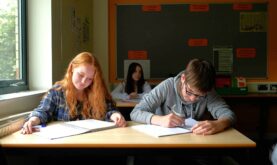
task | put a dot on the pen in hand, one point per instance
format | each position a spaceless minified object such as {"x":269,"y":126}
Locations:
{"x":174,"y":112}
{"x":37,"y":127}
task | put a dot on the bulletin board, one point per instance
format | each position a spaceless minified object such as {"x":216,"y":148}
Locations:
{"x":232,"y":36}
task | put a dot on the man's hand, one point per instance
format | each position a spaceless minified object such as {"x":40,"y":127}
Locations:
{"x":210,"y":127}
{"x":171,"y":120}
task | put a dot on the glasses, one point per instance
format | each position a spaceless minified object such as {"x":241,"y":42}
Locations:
{"x":189,"y":93}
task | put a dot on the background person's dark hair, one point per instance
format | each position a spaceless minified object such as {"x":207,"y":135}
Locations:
{"x":130,"y":83}
{"x":200,"y":74}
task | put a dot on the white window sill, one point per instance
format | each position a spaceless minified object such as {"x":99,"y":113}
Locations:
{"x":18,"y":103}
{"x":20,"y":94}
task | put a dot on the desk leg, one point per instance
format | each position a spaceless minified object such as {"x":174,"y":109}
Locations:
{"x":263,"y":121}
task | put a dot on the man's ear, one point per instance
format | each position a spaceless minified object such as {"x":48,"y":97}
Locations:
{"x":183,"y":78}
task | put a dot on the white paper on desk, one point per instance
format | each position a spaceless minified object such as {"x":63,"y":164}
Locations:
{"x":71,"y":128}
{"x":159,"y":131}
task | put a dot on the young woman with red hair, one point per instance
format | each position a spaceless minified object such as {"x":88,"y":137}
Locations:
{"x":81,"y":94}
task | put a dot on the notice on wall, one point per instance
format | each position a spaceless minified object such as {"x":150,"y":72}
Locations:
{"x":223,"y":59}
{"x":253,"y":22}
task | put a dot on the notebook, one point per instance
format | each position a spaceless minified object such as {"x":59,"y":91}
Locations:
{"x":71,"y":128}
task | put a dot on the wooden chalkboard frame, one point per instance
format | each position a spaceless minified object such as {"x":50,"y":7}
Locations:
{"x":260,"y":52}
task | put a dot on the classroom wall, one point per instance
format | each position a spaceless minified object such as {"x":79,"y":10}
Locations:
{"x":72,"y":23}
{"x":66,"y":41}
{"x":100,"y":35}
{"x":39,"y":44}
{"x":63,"y":44}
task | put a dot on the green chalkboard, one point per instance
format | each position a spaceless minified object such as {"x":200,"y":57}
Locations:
{"x":236,"y":39}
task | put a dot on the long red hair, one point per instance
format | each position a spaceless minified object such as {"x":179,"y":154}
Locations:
{"x":95,"y":95}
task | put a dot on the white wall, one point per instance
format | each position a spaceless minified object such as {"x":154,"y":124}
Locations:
{"x":39,"y":44}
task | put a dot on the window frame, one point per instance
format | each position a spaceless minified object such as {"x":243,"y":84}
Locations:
{"x":12,"y":86}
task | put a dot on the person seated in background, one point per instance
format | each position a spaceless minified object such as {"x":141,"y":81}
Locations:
{"x":81,"y":94}
{"x":134,"y":87}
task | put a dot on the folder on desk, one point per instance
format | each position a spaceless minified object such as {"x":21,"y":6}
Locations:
{"x":65,"y":129}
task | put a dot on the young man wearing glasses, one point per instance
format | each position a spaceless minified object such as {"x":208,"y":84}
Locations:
{"x":189,"y":95}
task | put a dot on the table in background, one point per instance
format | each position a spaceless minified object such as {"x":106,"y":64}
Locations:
{"x":262,"y":100}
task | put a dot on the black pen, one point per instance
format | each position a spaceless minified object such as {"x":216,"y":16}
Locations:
{"x":37,"y":127}
{"x":176,"y":113}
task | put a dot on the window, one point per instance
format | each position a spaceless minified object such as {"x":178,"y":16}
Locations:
{"x":13,"y":60}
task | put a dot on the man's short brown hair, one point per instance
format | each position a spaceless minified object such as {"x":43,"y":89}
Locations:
{"x":200,"y":74}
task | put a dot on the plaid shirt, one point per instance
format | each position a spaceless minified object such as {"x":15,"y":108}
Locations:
{"x":53,"y":107}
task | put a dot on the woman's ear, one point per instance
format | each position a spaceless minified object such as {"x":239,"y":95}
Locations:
{"x":70,"y":67}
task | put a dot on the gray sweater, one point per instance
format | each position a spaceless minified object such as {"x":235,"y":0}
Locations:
{"x":165,"y":95}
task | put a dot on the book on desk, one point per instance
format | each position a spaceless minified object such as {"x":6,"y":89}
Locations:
{"x":70,"y":128}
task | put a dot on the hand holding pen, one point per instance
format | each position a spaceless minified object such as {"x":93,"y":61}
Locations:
{"x":172,"y":110}
{"x":176,"y":119}
{"x":170,"y":120}
{"x":32,"y":125}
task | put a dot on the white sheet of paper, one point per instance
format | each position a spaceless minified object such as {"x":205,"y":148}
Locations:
{"x":159,"y":131}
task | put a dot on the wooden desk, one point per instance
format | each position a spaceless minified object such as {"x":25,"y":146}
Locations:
{"x":126,"y":141}
{"x":129,"y":138}
{"x":261,"y":100}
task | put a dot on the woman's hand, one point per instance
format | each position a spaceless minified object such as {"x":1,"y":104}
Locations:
{"x":28,"y":125}
{"x":118,"y":119}
{"x":133,"y":95}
